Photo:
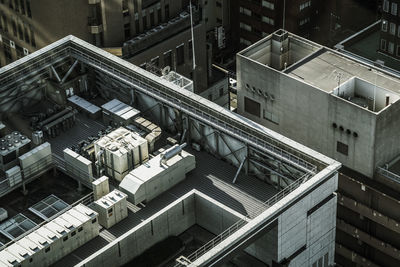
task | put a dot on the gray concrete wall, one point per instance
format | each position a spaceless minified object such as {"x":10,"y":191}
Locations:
{"x":316,"y":231}
{"x":387,"y":135}
{"x":306,"y":114}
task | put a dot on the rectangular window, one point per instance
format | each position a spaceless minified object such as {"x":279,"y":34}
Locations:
{"x":152,"y":19}
{"x":383,"y":44}
{"x":268,"y":20}
{"x":252,"y":107}
{"x":218,"y":4}
{"x":14,"y":27}
{"x":398,"y":31}
{"x":94,"y":220}
{"x":342,"y":148}
{"x":386,"y":5}
{"x":22,"y":4}
{"x":20,"y":32}
{"x":391,"y":48}
{"x":245,"y":26}
{"x":73,"y":233}
{"x":65,"y":238}
{"x":180,"y":54}
{"x":80,"y":229}
{"x":159,"y":16}
{"x":268,"y":4}
{"x":304,"y":21}
{"x":168,"y":58}
{"x":384,"y":25}
{"x":137,"y":27}
{"x":26,"y":34}
{"x":144,"y":21}
{"x":392,"y":28}
{"x":305,"y":5}
{"x":394,"y":9}
{"x":47,"y":249}
{"x":245,"y":41}
{"x":245,"y":11}
{"x":28,"y":8}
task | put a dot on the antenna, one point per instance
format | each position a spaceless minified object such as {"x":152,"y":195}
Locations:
{"x":191,"y":27}
{"x":284,"y":14}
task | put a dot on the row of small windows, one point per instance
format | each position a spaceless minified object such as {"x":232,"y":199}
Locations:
{"x":304,"y":21}
{"x":389,"y":47}
{"x":20,"y":30}
{"x":20,"y":6}
{"x":392,"y":27}
{"x":392,"y":7}
{"x":268,"y":4}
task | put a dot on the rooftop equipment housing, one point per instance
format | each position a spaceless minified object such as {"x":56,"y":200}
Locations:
{"x":157,"y":175}
{"x":119,"y":152}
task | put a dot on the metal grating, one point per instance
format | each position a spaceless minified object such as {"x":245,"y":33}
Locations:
{"x":16,"y":226}
{"x":49,"y":207}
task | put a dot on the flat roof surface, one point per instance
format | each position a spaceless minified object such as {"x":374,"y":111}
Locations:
{"x":212,"y":176}
{"x":323,"y":70}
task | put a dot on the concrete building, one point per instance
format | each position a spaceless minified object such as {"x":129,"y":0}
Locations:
{"x":365,"y":45}
{"x":390,"y":29}
{"x":29,"y":25}
{"x":340,"y":106}
{"x":260,"y":197}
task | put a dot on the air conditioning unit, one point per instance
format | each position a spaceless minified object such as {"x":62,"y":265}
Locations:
{"x":12,"y":44}
{"x":26,"y":52}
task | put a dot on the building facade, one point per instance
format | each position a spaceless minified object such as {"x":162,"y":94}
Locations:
{"x":343,"y":108}
{"x":390,"y":29}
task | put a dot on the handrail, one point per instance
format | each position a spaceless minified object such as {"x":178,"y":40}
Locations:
{"x":236,"y":226}
{"x":183,"y":102}
{"x":388,"y":174}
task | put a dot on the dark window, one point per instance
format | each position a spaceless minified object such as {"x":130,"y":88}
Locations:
{"x":218,"y":4}
{"x":219,"y":21}
{"x":31,"y":259}
{"x":342,"y":148}
{"x":26,"y":34}
{"x":47,"y":249}
{"x":33,"y":42}
{"x":144,"y":20}
{"x":127,"y":31}
{"x":94,"y":220}
{"x":180,"y":54}
{"x":20,"y":32}
{"x":251,"y":107}
{"x":152,"y":19}
{"x":167,"y":58}
{"x":210,"y":97}
{"x":22,"y":3}
{"x":159,"y":16}
{"x":80,"y":229}
{"x":65,"y":238}
{"x":14,"y":27}
{"x":28,"y":8}
{"x":166,"y":12}
{"x":73,"y":233}
{"x":137,"y":29}
{"x":10,"y":4}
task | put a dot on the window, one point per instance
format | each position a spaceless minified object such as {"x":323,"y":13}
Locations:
{"x":127,"y":31}
{"x":245,"y":26}
{"x":94,"y":220}
{"x":166,"y":9}
{"x":65,"y":238}
{"x":137,"y":29}
{"x":47,"y":249}
{"x":22,"y":4}
{"x":304,"y":21}
{"x":268,"y":4}
{"x":144,"y":21}
{"x":73,"y":233}
{"x":252,"y":107}
{"x":245,"y":11}
{"x":218,"y":4}
{"x":391,"y":48}
{"x":398,"y":31}
{"x":244,"y":41}
{"x":168,"y":58}
{"x":384,"y":25}
{"x":80,"y":229}
{"x":386,"y":5}
{"x":394,"y":9}
{"x":33,"y":42}
{"x":180,"y":54}
{"x":28,"y":8}
{"x":26,"y":34}
{"x":20,"y":32}
{"x":14,"y":27}
{"x":383,"y":44}
{"x":152,"y":18}
{"x":342,"y":148}
{"x":305,"y":5}
{"x":268,"y":20}
{"x":392,"y":28}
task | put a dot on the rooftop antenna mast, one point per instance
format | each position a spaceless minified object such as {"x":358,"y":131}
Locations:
{"x":284,"y":14}
{"x":191,"y":27}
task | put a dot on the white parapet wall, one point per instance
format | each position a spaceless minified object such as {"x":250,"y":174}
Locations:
{"x":77,"y":165}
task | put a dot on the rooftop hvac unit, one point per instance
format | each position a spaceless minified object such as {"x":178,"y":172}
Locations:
{"x":12,"y":44}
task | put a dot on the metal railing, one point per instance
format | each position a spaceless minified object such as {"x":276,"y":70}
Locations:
{"x":239,"y":224}
{"x":388,"y":174}
{"x":192,"y":107}
{"x":26,"y":175}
